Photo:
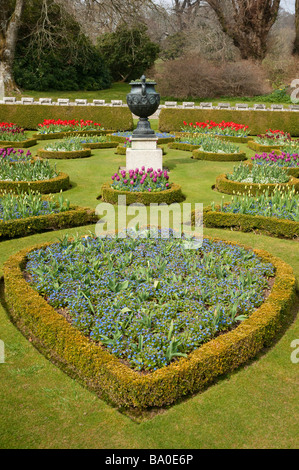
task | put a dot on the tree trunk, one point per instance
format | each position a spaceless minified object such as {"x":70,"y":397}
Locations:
{"x":248,"y":23}
{"x":296,"y":43}
{"x":8,"y":40}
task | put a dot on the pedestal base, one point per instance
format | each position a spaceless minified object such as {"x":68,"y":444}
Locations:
{"x":144,"y":152}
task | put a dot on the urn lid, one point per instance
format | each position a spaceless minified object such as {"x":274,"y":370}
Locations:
{"x":141,"y":80}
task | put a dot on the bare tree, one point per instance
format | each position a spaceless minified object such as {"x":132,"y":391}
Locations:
{"x":185,"y":12}
{"x":248,"y":23}
{"x":296,"y":43}
{"x":10,"y":17}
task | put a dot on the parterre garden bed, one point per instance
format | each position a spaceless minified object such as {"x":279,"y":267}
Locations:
{"x":130,"y":366}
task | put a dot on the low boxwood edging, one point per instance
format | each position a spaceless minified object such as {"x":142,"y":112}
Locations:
{"x":234,"y":187}
{"x":100,"y":145}
{"x":183,"y":146}
{"x":53,"y":185}
{"x":23,"y":144}
{"x":122,"y":139}
{"x":42,"y":153}
{"x":291,"y":171}
{"x":103,"y":373}
{"x":246,"y":222}
{"x":263,"y":148}
{"x":218,"y":157}
{"x":174,"y":194}
{"x":74,"y":217}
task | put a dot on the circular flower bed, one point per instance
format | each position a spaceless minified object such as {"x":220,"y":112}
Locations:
{"x":143,"y":186}
{"x":224,"y":185}
{"x":13,"y":155}
{"x":218,"y":157}
{"x":148,"y":304}
{"x":25,"y":213}
{"x":229,"y":131}
{"x":37,"y":175}
{"x":287,"y":162}
{"x":276,"y":213}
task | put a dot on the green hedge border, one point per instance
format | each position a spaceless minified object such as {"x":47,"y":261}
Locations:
{"x":262,"y":148}
{"x":233,"y":187}
{"x":182,"y":146}
{"x":291,"y":171}
{"x":48,"y":154}
{"x":100,"y":145}
{"x":247,"y":223}
{"x":227,"y":138}
{"x":61,"y":135}
{"x":174,"y":194}
{"x":53,"y":185}
{"x":24,"y":144}
{"x":74,"y":217}
{"x":103,"y":373}
{"x":171,"y":120}
{"x":219,"y":157}
{"x":30,"y":115}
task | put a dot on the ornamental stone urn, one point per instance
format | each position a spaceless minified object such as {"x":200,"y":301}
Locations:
{"x":143,"y":101}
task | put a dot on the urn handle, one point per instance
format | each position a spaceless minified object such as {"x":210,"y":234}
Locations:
{"x":143,"y":87}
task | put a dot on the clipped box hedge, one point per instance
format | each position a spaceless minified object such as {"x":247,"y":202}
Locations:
{"x":263,"y":148}
{"x":246,"y":223}
{"x":227,"y":138}
{"x":183,"y":146}
{"x":169,"y":196}
{"x":100,"y":145}
{"x":30,"y":115}
{"x":219,"y":157}
{"x":103,"y":373}
{"x":53,"y":185}
{"x":42,"y":153}
{"x":23,"y":144}
{"x":74,"y":217}
{"x":234,"y":187}
{"x":171,"y":120}
{"x":291,"y":171}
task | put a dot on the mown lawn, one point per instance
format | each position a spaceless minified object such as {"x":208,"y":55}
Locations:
{"x":255,"y":407}
{"x":119,"y":91}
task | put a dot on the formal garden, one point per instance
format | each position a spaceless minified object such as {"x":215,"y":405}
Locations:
{"x":141,"y":338}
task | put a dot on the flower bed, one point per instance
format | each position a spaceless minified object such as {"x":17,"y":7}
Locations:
{"x":288,"y":163}
{"x":11,"y":155}
{"x":35,"y":175}
{"x":224,"y":185}
{"x":272,"y":140}
{"x":24,"y":214}
{"x":226,"y":130}
{"x":12,"y":135}
{"x":263,"y":148}
{"x":50,"y":126}
{"x":218,"y":157}
{"x":276,"y":214}
{"x":98,"y":367}
{"x":205,"y":147}
{"x":98,"y":142}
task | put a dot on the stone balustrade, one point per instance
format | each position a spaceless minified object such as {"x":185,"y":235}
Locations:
{"x":168,"y":104}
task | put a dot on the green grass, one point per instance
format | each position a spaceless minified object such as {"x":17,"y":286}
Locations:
{"x":119,"y":91}
{"x":255,"y":407}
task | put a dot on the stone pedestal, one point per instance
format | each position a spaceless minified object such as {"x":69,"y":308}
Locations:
{"x":144,"y":152}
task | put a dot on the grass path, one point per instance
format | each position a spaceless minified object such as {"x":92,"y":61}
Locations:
{"x":255,"y":407}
